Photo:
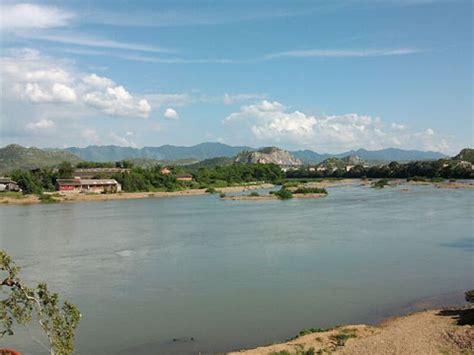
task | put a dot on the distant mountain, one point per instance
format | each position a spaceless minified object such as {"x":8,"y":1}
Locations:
{"x":268,"y":155}
{"x":333,"y":163}
{"x":15,"y":156}
{"x":467,"y":154}
{"x":388,"y":154}
{"x":165,"y":152}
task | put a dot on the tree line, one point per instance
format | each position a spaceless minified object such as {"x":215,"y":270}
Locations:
{"x":443,"y":168}
{"x":152,"y":178}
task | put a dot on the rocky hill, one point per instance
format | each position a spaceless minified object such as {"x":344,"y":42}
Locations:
{"x":15,"y":156}
{"x":267,"y":156}
{"x":467,"y":154}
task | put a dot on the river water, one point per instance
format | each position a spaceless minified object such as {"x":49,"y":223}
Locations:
{"x":200,"y":274}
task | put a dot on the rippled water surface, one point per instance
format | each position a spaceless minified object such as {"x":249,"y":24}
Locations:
{"x":233,"y":274}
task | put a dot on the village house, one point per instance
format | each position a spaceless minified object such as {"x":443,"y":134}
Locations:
{"x":165,"y":171}
{"x":78,"y":185}
{"x":7,"y":184}
{"x":184,"y":178}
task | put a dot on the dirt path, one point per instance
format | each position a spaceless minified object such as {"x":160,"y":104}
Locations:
{"x":428,"y":332}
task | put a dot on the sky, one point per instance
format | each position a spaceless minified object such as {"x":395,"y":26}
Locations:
{"x":329,"y":76}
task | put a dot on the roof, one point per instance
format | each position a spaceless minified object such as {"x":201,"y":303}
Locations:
{"x":75,"y":182}
{"x":6,"y":180}
{"x":98,"y":182}
{"x":101,"y":170}
{"x":80,"y":182}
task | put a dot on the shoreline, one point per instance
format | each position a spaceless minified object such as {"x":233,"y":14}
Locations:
{"x":270,"y":197}
{"x":73,"y":198}
{"x":446,"y":330}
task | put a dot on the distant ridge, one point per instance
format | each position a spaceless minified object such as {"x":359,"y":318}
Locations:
{"x":15,"y":156}
{"x":214,"y":150}
{"x":165,"y":152}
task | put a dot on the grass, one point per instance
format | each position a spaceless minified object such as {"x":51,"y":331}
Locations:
{"x":48,"y":198}
{"x":12,"y":194}
{"x":343,"y":336}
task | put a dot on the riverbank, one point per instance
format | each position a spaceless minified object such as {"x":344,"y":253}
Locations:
{"x":71,"y":198}
{"x":440,"y":331}
{"x":270,"y":197}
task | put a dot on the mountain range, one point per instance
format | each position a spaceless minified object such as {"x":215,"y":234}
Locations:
{"x":213,"y":150}
{"x":15,"y":156}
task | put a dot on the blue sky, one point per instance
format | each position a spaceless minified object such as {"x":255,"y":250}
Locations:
{"x":322,"y":75}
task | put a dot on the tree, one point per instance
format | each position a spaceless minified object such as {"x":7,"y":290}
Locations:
{"x":59,"y":323}
{"x":65,"y":170}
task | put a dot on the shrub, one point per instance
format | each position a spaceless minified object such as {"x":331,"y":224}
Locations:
{"x":380,"y":184}
{"x":254,"y":194}
{"x":284,"y":194}
{"x":46,"y":198}
{"x":211,"y":190}
{"x":222,"y":195}
{"x":310,"y":190}
{"x":469,"y":296}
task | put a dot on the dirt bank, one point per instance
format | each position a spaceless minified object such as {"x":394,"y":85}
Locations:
{"x":69,"y":198}
{"x":427,"y":332}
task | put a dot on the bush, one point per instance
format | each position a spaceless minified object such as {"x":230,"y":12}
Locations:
{"x":211,"y":190}
{"x":284,"y":194}
{"x":380,"y":184}
{"x":469,"y":296}
{"x":46,"y":198}
{"x":254,"y":194}
{"x":222,"y":195}
{"x":310,"y":190}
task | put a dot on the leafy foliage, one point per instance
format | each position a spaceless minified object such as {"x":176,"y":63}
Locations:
{"x":284,"y":194}
{"x":469,"y":296}
{"x":442,"y":168}
{"x":310,"y":190}
{"x":380,"y":184}
{"x":57,"y":321}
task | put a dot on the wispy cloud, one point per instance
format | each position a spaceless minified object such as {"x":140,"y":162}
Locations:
{"x":90,"y":41}
{"x":310,"y":53}
{"x":341,"y":53}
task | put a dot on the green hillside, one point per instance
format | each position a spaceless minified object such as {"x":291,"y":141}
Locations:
{"x":15,"y":156}
{"x":467,"y":154}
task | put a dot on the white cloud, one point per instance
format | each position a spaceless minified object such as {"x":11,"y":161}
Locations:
{"x":31,"y":16}
{"x":171,"y":114}
{"x":230,"y":99}
{"x":116,"y":100}
{"x":42,"y":124}
{"x":273,"y":123}
{"x":90,"y":136}
{"x":26,"y":74}
{"x":122,"y":141}
{"x":97,"y":81}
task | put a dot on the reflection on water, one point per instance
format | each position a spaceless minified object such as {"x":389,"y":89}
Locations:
{"x":150,"y":275}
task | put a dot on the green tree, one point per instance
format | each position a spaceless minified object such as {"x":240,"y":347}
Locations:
{"x":21,"y":303}
{"x":65,"y":170}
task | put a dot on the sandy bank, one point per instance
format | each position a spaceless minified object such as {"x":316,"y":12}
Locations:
{"x":70,"y":198}
{"x":270,"y":197}
{"x":428,"y":332}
